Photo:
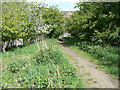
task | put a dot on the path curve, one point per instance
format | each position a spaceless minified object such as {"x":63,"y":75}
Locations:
{"x":99,"y":78}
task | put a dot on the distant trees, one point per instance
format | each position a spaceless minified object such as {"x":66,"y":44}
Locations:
{"x":96,"y":21}
{"x":54,"y":17}
{"x":29,"y":21}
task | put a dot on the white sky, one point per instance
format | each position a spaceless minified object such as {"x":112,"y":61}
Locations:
{"x":64,"y":5}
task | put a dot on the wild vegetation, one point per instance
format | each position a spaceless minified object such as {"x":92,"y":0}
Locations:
{"x":29,"y":21}
{"x":94,"y":28}
{"x":39,"y":65}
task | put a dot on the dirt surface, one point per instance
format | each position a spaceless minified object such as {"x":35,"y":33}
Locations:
{"x":92,"y":77}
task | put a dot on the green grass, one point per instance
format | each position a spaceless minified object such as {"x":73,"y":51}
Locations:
{"x":105,"y":56}
{"x":38,"y":65}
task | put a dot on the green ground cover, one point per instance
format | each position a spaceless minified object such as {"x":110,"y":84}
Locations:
{"x":39,"y":65}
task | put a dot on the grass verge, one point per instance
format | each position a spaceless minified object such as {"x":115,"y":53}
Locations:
{"x":39,"y":65}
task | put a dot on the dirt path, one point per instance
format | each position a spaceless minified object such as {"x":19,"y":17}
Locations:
{"x":91,"y":76}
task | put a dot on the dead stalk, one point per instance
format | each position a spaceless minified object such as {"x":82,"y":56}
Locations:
{"x":56,"y":68}
{"x":50,"y":81}
{"x":60,"y":82}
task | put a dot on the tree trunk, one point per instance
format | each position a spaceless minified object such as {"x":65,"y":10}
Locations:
{"x":12,"y":42}
{"x":3,"y":46}
{"x":0,"y":44}
{"x":119,"y":15}
{"x":8,"y":44}
{"x":16,"y":43}
{"x":24,"y":42}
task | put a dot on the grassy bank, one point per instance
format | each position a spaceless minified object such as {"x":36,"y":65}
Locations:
{"x":105,"y":56}
{"x":39,"y":65}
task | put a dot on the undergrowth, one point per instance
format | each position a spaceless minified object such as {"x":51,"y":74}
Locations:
{"x":39,"y":65}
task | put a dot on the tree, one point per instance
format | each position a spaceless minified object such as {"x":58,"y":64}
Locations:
{"x":29,"y":21}
{"x":96,"y":21}
{"x":11,"y":21}
{"x":22,"y":20}
{"x":54,"y":17}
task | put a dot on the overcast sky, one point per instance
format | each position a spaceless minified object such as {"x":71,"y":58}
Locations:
{"x":64,"y":5}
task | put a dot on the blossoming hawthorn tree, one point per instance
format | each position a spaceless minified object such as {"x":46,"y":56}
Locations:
{"x":34,"y":25}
